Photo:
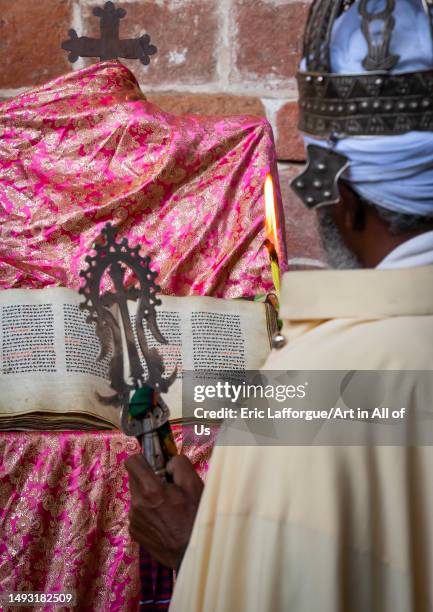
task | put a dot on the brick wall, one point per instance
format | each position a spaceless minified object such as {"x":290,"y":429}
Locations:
{"x":214,"y":57}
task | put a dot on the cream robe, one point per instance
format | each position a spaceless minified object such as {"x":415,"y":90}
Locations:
{"x":325,"y":529}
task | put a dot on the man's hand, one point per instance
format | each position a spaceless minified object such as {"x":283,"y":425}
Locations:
{"x":162,"y":513}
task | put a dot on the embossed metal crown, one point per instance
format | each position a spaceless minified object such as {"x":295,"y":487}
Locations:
{"x":373,"y":103}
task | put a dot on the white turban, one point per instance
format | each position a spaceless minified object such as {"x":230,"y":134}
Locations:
{"x":395,"y":172}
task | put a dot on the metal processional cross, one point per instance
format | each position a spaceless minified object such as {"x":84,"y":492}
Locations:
{"x":115,"y":258}
{"x":109,"y":46}
{"x":144,"y":414}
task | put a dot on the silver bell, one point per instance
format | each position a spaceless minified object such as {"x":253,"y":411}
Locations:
{"x":278,"y":341}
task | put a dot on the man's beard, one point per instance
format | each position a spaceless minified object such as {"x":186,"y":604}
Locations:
{"x":339,"y":256}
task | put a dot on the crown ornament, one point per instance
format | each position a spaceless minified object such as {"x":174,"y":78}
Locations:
{"x":374,"y":103}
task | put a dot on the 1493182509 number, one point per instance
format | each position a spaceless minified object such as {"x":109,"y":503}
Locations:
{"x":30,"y":598}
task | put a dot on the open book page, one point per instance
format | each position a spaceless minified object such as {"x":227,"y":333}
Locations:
{"x":48,"y":361}
{"x":210,"y":334}
{"x":48,"y":353}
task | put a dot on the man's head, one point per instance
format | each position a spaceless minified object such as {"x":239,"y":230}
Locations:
{"x":365,"y":97}
{"x":357,"y":233}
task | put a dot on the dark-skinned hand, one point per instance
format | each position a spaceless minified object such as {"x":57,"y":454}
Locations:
{"x":162,"y":513}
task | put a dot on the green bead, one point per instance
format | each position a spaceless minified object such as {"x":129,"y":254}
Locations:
{"x":141,"y":402}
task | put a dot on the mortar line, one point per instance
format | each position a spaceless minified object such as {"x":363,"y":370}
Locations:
{"x":78,"y":25}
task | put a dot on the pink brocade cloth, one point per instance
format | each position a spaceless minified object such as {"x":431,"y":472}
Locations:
{"x":64,"y":503}
{"x":88,"y":148}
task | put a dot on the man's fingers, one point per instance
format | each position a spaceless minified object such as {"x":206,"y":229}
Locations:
{"x":146,"y":488}
{"x":155,"y":550}
{"x":148,"y":525}
{"x":185,"y":477}
{"x":162,"y":513}
{"x":139,"y":536}
{"x":135,"y":464}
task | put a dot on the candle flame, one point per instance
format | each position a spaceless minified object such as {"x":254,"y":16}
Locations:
{"x":270,"y":212}
{"x":271,"y":241}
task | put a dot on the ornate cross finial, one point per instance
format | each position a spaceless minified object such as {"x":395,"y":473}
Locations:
{"x":145,"y":415}
{"x":109,"y":46}
{"x":114,"y":258}
{"x":377,"y":28}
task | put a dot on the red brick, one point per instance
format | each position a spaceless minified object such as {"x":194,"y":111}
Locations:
{"x":302,"y":235}
{"x":290,"y":145}
{"x":185,"y":33}
{"x":269,"y":38}
{"x":31,"y":34}
{"x":217,"y":104}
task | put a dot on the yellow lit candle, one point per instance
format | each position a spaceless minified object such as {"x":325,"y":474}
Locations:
{"x":271,"y":241}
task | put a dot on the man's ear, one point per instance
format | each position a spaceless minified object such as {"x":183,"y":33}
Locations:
{"x":353,"y":210}
{"x":359,"y":217}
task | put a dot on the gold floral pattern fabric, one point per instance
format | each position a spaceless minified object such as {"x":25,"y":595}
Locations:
{"x":64,"y":503}
{"x":88,"y":148}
